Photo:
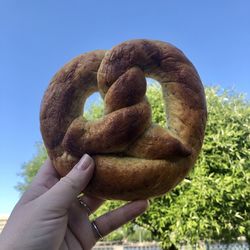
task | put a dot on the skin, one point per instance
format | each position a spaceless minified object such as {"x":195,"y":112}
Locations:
{"x":49,"y":216}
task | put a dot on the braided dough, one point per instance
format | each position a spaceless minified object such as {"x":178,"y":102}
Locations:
{"x":134,"y":158}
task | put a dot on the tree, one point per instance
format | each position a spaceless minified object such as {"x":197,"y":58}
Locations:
{"x":213,"y":202}
{"x":29,"y":169}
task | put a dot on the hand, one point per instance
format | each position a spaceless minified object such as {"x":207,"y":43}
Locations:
{"x":49,"y":216}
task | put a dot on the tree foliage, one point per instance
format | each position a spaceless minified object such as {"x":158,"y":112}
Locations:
{"x":213,"y":202}
{"x":30,"y":168}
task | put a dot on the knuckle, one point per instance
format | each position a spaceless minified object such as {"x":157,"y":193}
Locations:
{"x":67,"y":180}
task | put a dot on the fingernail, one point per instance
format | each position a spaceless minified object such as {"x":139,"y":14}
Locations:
{"x":84,"y":162}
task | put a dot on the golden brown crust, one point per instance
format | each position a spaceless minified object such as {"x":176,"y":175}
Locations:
{"x":134,"y":158}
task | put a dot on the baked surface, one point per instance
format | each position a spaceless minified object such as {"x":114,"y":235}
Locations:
{"x":134,"y":158}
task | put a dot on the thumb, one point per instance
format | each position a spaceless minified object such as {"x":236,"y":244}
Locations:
{"x":65,"y":191}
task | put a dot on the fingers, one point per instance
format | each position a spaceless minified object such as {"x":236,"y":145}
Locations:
{"x":70,"y":242}
{"x":43,"y":181}
{"x":46,"y":177}
{"x":90,"y":204}
{"x":47,"y":169}
{"x":118,"y":217}
{"x":65,"y":191}
{"x":83,"y":229}
{"x":79,"y":224}
{"x":79,"y":220}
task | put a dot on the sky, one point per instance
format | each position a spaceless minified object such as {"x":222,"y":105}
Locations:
{"x":39,"y":37}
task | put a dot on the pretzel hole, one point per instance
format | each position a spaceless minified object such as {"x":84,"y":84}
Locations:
{"x":93,"y":107}
{"x":155,"y":97}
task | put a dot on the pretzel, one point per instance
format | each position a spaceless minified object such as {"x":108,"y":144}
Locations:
{"x":134,"y":158}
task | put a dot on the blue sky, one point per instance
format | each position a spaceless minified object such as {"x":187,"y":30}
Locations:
{"x":38,"y":37}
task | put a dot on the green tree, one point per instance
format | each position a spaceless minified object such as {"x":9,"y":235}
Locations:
{"x":30,"y":168}
{"x":213,"y":202}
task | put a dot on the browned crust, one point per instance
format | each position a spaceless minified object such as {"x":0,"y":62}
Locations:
{"x":135,"y":178}
{"x":134,"y":158}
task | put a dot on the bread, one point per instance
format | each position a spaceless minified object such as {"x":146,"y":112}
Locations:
{"x":134,"y":158}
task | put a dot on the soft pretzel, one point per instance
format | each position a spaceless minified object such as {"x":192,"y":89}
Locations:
{"x":134,"y":158}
